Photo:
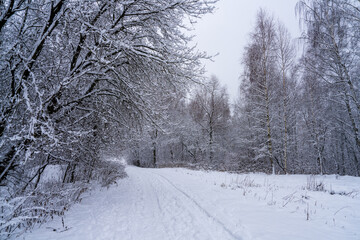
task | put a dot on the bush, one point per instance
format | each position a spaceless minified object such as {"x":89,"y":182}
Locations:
{"x":313,"y":185}
{"x":52,"y":197}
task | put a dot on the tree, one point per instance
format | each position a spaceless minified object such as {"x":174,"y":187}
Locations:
{"x":257,"y":85}
{"x":332,"y":44}
{"x":266,"y":110}
{"x":210,"y":110}
{"x":287,"y":70}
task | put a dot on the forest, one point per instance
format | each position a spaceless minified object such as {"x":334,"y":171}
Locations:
{"x":85,"y":80}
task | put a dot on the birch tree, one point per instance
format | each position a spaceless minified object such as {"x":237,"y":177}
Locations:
{"x":286,"y":65}
{"x":258,"y":80}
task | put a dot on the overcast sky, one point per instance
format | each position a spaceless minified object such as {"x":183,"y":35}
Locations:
{"x":226,"y":32}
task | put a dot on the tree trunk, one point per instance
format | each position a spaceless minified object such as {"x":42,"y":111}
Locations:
{"x":285,"y":122}
{"x":154,"y":148}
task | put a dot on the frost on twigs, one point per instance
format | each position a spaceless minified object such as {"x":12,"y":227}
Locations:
{"x":312,"y":184}
{"x":246,"y":184}
{"x":110,"y":172}
{"x":36,"y":207}
{"x":51,"y":198}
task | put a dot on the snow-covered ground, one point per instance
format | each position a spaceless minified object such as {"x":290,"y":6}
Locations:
{"x":185,"y":204}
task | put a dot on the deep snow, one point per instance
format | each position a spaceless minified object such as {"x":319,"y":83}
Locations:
{"x":186,"y":204}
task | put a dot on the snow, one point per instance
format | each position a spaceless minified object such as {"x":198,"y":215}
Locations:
{"x":52,"y":173}
{"x":186,"y":204}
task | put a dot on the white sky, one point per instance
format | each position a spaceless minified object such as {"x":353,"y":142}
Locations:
{"x":227,"y":30}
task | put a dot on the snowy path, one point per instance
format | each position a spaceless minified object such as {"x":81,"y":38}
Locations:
{"x":183,"y":204}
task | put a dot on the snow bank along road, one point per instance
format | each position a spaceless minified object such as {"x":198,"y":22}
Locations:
{"x":184,"y":204}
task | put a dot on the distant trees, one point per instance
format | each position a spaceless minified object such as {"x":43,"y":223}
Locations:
{"x":210,"y":109}
{"x":195,"y":132}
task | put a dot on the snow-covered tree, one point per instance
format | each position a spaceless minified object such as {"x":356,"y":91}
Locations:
{"x":265,"y":113}
{"x":287,"y":82}
{"x":210,"y":110}
{"x":75,"y":73}
{"x":332,"y":58}
{"x":258,"y":88}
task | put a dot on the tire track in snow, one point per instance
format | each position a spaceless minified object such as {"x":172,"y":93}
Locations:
{"x":180,"y":221}
{"x":148,"y":207}
{"x":203,"y":210}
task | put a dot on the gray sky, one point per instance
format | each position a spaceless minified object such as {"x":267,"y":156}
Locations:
{"x":227,"y":32}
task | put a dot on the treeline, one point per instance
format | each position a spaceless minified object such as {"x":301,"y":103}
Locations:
{"x":75,"y":76}
{"x":293,"y":115}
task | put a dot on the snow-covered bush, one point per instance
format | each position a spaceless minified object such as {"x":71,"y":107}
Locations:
{"x":51,"y":197}
{"x":110,"y":172}
{"x":20,"y":213}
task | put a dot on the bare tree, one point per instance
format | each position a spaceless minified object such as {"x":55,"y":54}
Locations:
{"x":210,"y":109}
{"x":287,"y":67}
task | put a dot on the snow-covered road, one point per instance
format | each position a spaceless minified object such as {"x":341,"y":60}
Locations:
{"x":184,"y":204}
